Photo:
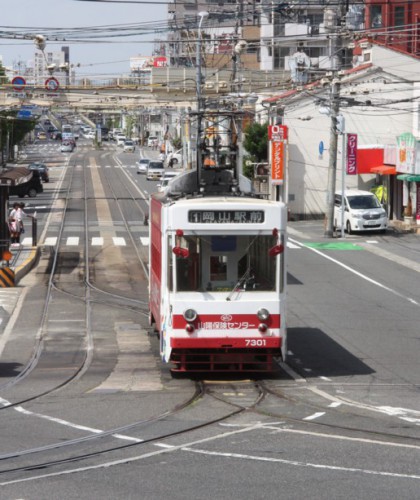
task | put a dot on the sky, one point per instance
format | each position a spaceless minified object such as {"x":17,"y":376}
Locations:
{"x":108,"y":58}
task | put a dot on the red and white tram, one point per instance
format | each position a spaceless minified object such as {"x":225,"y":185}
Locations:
{"x":218,"y":281}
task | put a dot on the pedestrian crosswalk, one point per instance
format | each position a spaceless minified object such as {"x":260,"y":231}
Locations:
{"x":99,"y":241}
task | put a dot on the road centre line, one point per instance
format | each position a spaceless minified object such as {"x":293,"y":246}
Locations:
{"x":360,"y":275}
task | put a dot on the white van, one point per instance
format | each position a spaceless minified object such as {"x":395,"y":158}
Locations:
{"x":362,"y":211}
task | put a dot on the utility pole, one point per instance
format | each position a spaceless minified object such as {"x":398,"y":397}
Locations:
{"x":332,"y":165}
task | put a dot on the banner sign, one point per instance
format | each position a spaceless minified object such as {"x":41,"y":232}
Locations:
{"x":351,"y":160}
{"x":277,"y":162}
{"x":406,"y":152}
{"x":277,"y":132}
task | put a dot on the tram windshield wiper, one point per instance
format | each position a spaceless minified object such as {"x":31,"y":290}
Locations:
{"x":241,"y":280}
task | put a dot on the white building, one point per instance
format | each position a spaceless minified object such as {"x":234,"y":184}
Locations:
{"x":378,"y":102}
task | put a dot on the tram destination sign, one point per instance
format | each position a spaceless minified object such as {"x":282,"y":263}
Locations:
{"x":226,"y":216}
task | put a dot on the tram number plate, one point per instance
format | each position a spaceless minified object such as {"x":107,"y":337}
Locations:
{"x":255,"y":342}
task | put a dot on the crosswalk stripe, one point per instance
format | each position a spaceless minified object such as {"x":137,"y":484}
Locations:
{"x":50,"y":241}
{"x":292,"y":245}
{"x":118,"y":241}
{"x":144,"y":240}
{"x":72,"y":241}
{"x":97,"y":241}
{"x":27,"y":242}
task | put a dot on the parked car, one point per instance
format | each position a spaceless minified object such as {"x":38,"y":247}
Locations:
{"x":30,"y":188}
{"x":362,"y":211}
{"x":129,"y":147}
{"x":155,"y":170}
{"x":67,"y":147}
{"x":42,"y":169}
{"x":143,"y":163}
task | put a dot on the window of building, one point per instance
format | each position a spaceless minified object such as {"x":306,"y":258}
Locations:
{"x":376,"y":16}
{"x":399,"y":15}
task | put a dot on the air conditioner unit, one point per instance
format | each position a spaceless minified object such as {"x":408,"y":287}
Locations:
{"x":209,"y":85}
{"x":223,"y":85}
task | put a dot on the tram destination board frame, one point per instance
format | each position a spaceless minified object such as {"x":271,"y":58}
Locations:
{"x":226,"y":216}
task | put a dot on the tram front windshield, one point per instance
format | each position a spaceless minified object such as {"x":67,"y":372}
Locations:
{"x":225,"y":263}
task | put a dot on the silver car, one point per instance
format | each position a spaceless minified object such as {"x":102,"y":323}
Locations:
{"x":142,"y":165}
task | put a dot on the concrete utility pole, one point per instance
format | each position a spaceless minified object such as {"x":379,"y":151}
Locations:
{"x":332,"y":165}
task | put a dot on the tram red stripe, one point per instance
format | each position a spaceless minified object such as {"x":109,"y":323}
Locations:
{"x":226,"y":322}
{"x":226,"y":343}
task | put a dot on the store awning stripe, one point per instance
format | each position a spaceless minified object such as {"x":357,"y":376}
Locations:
{"x":408,"y":177}
{"x":384,"y":170}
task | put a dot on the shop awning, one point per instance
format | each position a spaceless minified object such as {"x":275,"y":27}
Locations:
{"x":384,"y":170}
{"x":409,"y":177}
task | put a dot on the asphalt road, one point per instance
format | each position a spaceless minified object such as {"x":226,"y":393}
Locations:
{"x":340,"y":420}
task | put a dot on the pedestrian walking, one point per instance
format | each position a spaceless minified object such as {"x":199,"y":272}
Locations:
{"x":16,"y":226}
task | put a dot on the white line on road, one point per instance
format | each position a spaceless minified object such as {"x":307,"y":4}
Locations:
{"x":315,"y":415}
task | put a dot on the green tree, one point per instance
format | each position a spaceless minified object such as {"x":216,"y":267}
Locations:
{"x":256,"y":141}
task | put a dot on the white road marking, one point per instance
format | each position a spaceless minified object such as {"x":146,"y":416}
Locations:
{"x":27,"y":242}
{"x":145,"y":240}
{"x":292,"y":245}
{"x":325,"y":378}
{"x":51,"y":241}
{"x":97,"y":241}
{"x":72,"y":241}
{"x":335,"y":404}
{"x":315,"y":415}
{"x":357,"y":273}
{"x":301,"y":464}
{"x":66,"y":423}
{"x":118,"y":241}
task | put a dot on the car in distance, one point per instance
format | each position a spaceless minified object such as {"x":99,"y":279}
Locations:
{"x":155,"y":170}
{"x":67,"y":147}
{"x":121,"y":138}
{"x":41,"y":136}
{"x":42,"y":169}
{"x":164,"y":180}
{"x":142,"y":165}
{"x":129,"y":146}
{"x":151,"y":140}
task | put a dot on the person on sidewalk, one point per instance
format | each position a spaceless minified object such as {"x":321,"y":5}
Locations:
{"x":14,"y":225}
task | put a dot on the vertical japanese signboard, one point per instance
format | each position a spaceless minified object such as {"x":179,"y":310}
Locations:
{"x":351,"y":162}
{"x":277,"y":134}
{"x":277,"y":162}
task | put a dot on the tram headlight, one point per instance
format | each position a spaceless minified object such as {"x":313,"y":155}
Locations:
{"x":190,"y":315}
{"x":263,"y":314}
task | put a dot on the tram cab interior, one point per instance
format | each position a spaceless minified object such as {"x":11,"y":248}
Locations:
{"x":226,"y":263}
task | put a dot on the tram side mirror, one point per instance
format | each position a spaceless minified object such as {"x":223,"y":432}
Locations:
{"x":181,"y":252}
{"x":275,"y":250}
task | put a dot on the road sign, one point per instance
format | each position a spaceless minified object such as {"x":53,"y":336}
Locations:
{"x":52,"y":83}
{"x":18,"y":83}
{"x":24,"y":114}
